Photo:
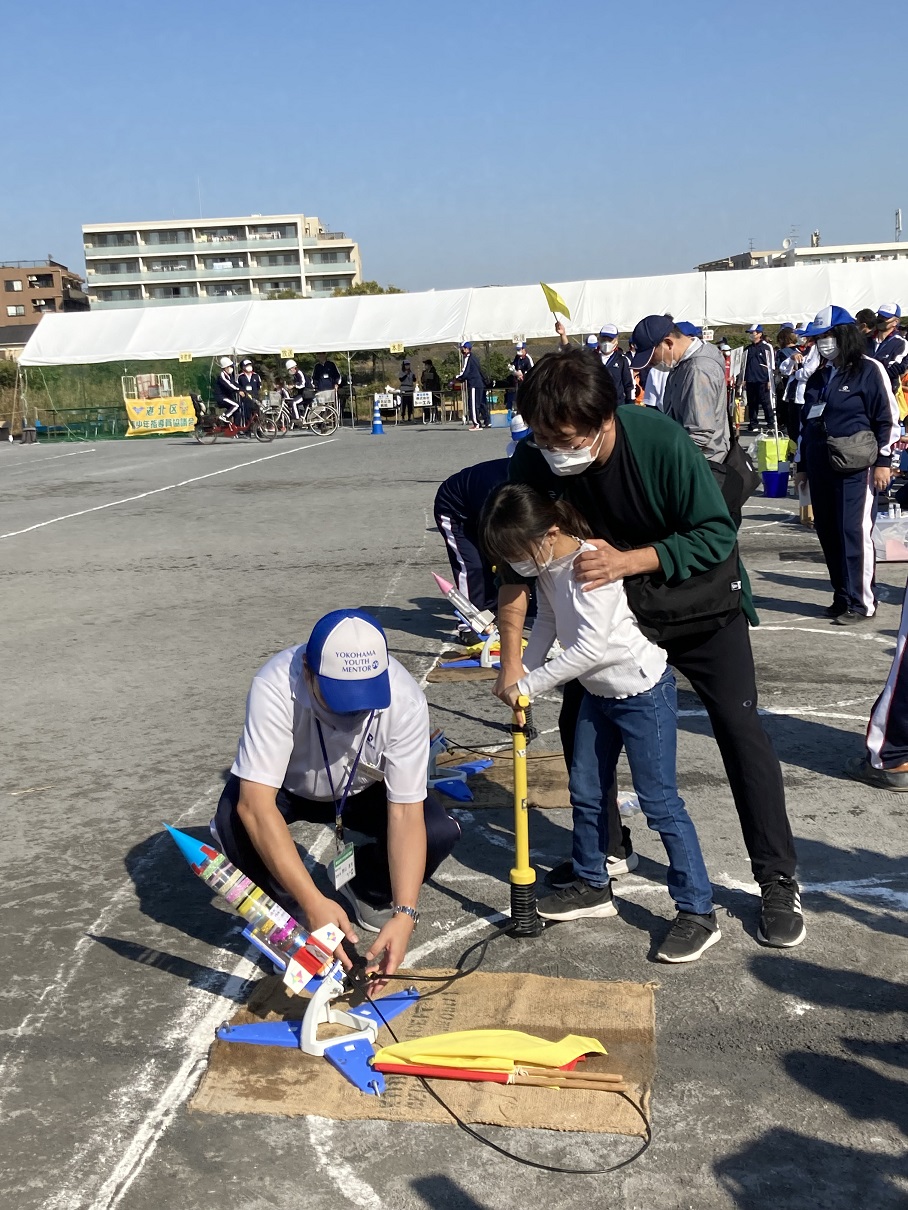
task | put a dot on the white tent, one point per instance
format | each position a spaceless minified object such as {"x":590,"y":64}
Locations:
{"x":437,"y":317}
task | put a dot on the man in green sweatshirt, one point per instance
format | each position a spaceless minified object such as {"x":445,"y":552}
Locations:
{"x":649,"y":496}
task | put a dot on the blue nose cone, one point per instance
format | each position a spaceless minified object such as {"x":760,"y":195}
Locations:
{"x":193,"y":850}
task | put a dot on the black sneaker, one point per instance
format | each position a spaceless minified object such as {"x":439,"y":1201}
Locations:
{"x":688,"y":937}
{"x":577,"y":901}
{"x":563,"y":875}
{"x":849,"y":618}
{"x":882,"y":779}
{"x":781,"y":920}
{"x":835,"y":610}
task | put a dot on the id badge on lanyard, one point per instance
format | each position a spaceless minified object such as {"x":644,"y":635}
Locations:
{"x":819,"y":408}
{"x":343,"y":865}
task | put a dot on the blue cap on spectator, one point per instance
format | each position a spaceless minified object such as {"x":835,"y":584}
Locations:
{"x":520,"y":344}
{"x":467,"y":344}
{"x":648,"y":333}
{"x":592,"y":341}
{"x":889,"y":311}
{"x":829,"y":317}
{"x":786,"y":324}
{"x":754,"y":328}
{"x":609,"y":331}
{"x":687,"y":328}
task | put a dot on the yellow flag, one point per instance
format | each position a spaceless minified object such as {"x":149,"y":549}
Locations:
{"x":489,"y":1050}
{"x":555,"y":301}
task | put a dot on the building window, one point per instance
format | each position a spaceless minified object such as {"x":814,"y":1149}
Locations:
{"x":123,"y":294}
{"x":12,"y":286}
{"x":43,"y":304}
{"x":12,"y":311}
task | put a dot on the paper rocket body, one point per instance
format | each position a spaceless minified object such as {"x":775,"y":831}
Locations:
{"x":480,"y":620}
{"x":271,"y":924}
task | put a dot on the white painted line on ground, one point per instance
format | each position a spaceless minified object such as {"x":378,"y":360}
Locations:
{"x":351,"y":1189}
{"x":51,"y":458}
{"x":792,"y":712}
{"x":829,"y":631}
{"x":169,"y":488}
{"x":449,"y":936}
{"x":69,"y":968}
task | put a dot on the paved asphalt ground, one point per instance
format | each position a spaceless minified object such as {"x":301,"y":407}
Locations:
{"x":141,"y":586}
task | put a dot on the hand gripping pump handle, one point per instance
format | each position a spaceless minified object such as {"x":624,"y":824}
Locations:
{"x":525,"y":920}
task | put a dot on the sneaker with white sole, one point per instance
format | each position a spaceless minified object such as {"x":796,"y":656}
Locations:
{"x":688,"y":937}
{"x":781,"y":920}
{"x":372,"y":918}
{"x":577,"y":902}
{"x":563,"y":875}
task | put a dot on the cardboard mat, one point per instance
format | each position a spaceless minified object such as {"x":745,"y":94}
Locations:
{"x":547,"y":778}
{"x":264,"y":1079}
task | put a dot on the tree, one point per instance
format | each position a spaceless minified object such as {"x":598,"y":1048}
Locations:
{"x":285,"y":294}
{"x":7,"y":374}
{"x":367,"y":287}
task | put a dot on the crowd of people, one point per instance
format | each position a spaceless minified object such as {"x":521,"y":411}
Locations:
{"x":237,"y":393}
{"x":616,"y":529}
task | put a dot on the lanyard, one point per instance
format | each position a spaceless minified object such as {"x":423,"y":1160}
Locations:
{"x":340,"y":804}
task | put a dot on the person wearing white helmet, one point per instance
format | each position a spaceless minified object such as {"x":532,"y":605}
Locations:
{"x":227,"y":390}
{"x":296,"y":385}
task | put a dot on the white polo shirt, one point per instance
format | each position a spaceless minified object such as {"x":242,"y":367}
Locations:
{"x":280,"y":745}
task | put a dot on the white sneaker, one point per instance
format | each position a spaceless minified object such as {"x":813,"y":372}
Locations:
{"x":616,"y":866}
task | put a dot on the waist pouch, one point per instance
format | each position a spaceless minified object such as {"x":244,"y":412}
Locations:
{"x":706,"y":600}
{"x":855,"y":453}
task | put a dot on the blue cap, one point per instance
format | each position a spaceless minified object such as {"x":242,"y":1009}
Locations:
{"x":889,"y":311}
{"x":754,"y":328}
{"x":466,"y":344}
{"x":520,"y":344}
{"x":648,"y":333}
{"x":829,"y":317}
{"x":786,"y":324}
{"x":688,"y":329}
{"x":347,"y":653}
{"x":609,"y":331}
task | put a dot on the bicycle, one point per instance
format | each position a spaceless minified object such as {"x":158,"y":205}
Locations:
{"x":318,"y":417}
{"x":211,"y":425}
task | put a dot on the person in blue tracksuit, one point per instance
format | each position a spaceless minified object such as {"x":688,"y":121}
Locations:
{"x":884,"y":763}
{"x":472,"y":377}
{"x":458,"y":503}
{"x":616,"y":362}
{"x":758,"y":377}
{"x":521,"y":364}
{"x":250,"y":383}
{"x":888,"y":345}
{"x":850,"y":393}
{"x":226,"y":389}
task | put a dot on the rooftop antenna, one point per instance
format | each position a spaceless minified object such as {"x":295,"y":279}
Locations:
{"x":898,"y":225}
{"x":750,"y":244}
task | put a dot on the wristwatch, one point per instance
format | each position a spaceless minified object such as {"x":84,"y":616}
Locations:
{"x":401,"y":910}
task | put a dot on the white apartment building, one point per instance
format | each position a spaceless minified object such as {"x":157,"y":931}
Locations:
{"x":210,"y":260}
{"x":816,"y":254}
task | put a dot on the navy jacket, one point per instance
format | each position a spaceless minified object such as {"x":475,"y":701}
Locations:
{"x":893,"y":354}
{"x":853,"y":402}
{"x":225,"y":387}
{"x":522,"y":363}
{"x":462,"y":496}
{"x":250,"y":383}
{"x":325,"y":377}
{"x":472,"y":374}
{"x":758,"y":362}
{"x":619,"y":367}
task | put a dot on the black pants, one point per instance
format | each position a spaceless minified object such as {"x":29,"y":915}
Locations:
{"x":720,"y":667}
{"x":366,"y":812}
{"x":406,"y":405}
{"x":758,"y":396}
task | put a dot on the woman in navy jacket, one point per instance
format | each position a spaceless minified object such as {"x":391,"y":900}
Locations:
{"x":848,"y":394}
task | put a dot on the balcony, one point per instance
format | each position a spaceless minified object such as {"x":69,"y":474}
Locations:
{"x":340,"y":268}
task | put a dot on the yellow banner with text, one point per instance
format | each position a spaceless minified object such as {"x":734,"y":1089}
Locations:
{"x":172,"y":415}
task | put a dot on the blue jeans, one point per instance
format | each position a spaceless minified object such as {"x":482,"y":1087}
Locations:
{"x":646,"y":725}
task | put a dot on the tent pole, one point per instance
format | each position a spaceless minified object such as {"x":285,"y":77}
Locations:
{"x":350,"y":393}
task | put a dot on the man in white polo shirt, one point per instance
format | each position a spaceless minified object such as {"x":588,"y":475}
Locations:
{"x":337,"y":732}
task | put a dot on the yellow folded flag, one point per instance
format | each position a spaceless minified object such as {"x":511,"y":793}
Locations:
{"x":555,"y":301}
{"x":489,"y":1050}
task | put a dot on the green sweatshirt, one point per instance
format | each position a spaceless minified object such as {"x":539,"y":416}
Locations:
{"x":660,"y":492}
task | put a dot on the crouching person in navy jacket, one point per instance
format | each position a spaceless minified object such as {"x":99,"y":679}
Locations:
{"x":848,"y":397}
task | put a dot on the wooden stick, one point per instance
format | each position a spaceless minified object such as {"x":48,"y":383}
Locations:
{"x":573,"y":1074}
{"x":589,"y":1085}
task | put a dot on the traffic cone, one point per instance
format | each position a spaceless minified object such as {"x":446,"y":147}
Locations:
{"x":377,"y":427}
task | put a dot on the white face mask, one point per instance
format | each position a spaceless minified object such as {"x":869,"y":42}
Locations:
{"x":828,"y":347}
{"x":664,"y":367}
{"x":571,"y":462}
{"x":609,"y":346}
{"x":529,"y":567}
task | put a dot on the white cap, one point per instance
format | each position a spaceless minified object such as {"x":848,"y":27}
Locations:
{"x":592,"y":340}
{"x":347,"y":652}
{"x":224,"y":362}
{"x":290,"y":365}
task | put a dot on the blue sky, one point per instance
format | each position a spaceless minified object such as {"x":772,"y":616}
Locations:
{"x":461,"y":144}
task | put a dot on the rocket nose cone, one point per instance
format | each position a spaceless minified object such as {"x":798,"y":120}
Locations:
{"x":444,"y":585}
{"x":193,"y":850}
